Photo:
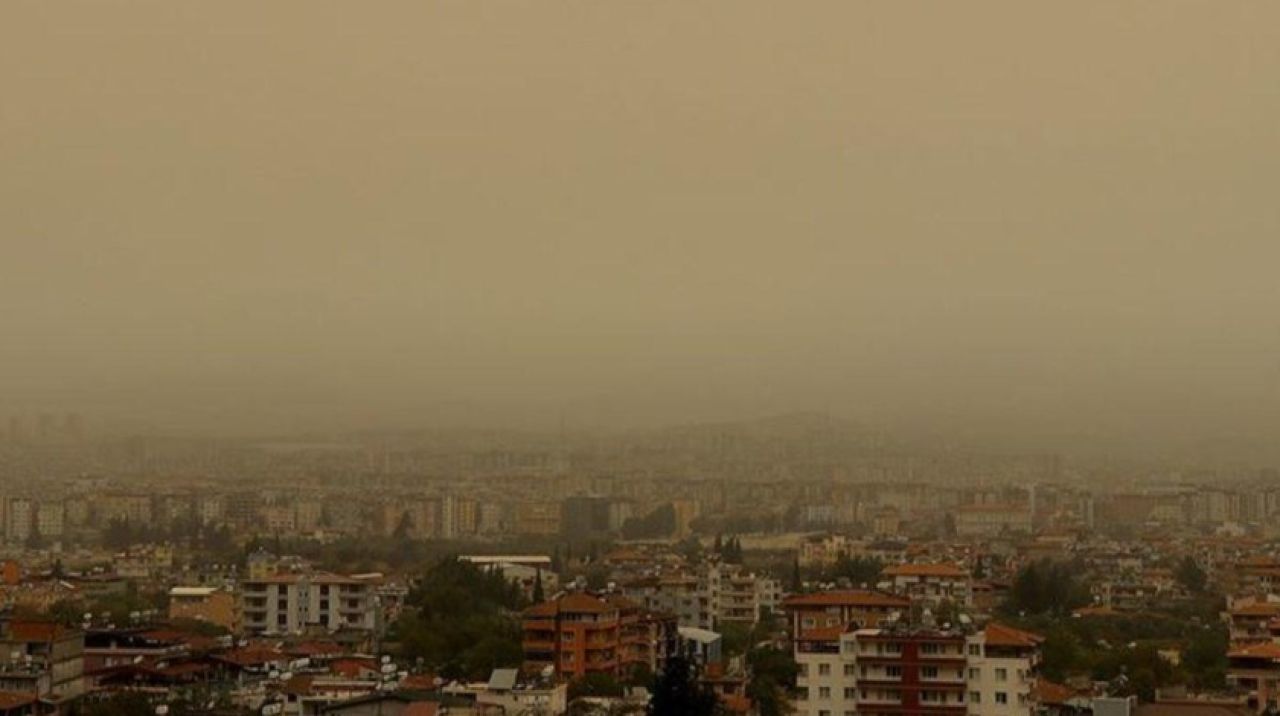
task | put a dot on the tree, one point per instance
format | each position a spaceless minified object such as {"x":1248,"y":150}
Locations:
{"x":773,"y":671}
{"x":538,"y":596}
{"x":459,"y":621}
{"x":677,"y":691}
{"x":1191,"y":576}
{"x":125,"y":703}
{"x":403,"y":527}
{"x":595,"y":684}
{"x":1046,"y":587}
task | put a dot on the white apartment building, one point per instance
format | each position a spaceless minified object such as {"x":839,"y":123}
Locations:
{"x":19,"y":520}
{"x":291,"y":603}
{"x":931,"y":584}
{"x":1002,"y":663}
{"x":50,"y":520}
{"x":715,"y":595}
{"x":869,"y":672}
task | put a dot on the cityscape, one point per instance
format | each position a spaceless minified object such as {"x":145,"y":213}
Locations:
{"x":795,"y":564}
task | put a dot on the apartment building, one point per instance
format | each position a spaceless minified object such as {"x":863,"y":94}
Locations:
{"x":205,"y":604}
{"x":991,"y":520}
{"x":19,"y":519}
{"x":41,"y":658}
{"x":880,"y":672}
{"x":713,"y":595}
{"x":1255,"y":670}
{"x":931,"y":584}
{"x":1002,"y":663}
{"x":579,"y":633}
{"x":907,"y":672}
{"x":292,"y":603}
{"x":537,"y":518}
{"x":839,"y":608}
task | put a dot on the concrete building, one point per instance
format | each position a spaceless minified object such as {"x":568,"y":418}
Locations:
{"x":908,"y":672}
{"x":931,"y":584}
{"x":1001,"y":668}
{"x":580,"y":633}
{"x":292,"y":603}
{"x":839,"y":608}
{"x":205,"y":604}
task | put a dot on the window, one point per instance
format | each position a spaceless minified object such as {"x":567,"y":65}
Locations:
{"x":824,"y":669}
{"x":824,"y":712}
{"x":1002,"y":697}
{"x":850,"y":693}
{"x":973,"y":674}
{"x":850,"y":669}
{"x":804,"y":670}
{"x":893,"y":671}
{"x":929,"y":672}
{"x":975,"y":697}
{"x":824,"y":692}
{"x":929,"y":648}
{"x":1002,"y":674}
{"x":975,"y":650}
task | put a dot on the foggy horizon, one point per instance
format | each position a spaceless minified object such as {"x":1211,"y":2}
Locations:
{"x":1046,"y":228}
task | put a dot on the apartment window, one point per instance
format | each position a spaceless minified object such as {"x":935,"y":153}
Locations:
{"x":973,"y":674}
{"x":850,"y":669}
{"x":823,"y":712}
{"x":975,"y":650}
{"x":975,"y":697}
{"x":930,"y":697}
{"x":893,"y":671}
{"x":929,"y":672}
{"x":566,"y":637}
{"x":824,"y":669}
{"x":1002,"y":674}
{"x":929,"y":649}
{"x":1002,"y":697}
{"x":804,"y":670}
{"x":824,"y":692}
{"x":850,"y":693}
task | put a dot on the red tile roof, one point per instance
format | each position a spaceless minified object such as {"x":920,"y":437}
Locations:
{"x":849,"y":598}
{"x":1003,"y":635}
{"x":925,"y":570}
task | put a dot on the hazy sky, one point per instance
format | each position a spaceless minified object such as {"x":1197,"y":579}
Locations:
{"x":1047,"y":221}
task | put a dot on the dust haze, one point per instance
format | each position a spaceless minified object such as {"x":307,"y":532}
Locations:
{"x":1013,"y":223}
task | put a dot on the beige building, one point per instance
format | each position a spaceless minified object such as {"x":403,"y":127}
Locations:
{"x":205,"y":604}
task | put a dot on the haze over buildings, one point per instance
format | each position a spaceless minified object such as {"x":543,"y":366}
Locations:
{"x":1016,"y":224}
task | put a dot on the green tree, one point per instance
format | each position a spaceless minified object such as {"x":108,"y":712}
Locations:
{"x":538,"y":596}
{"x":1191,"y":576}
{"x":677,"y":691}
{"x":773,"y":672}
{"x":121,"y":704}
{"x":595,"y":684}
{"x":460,"y":621}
